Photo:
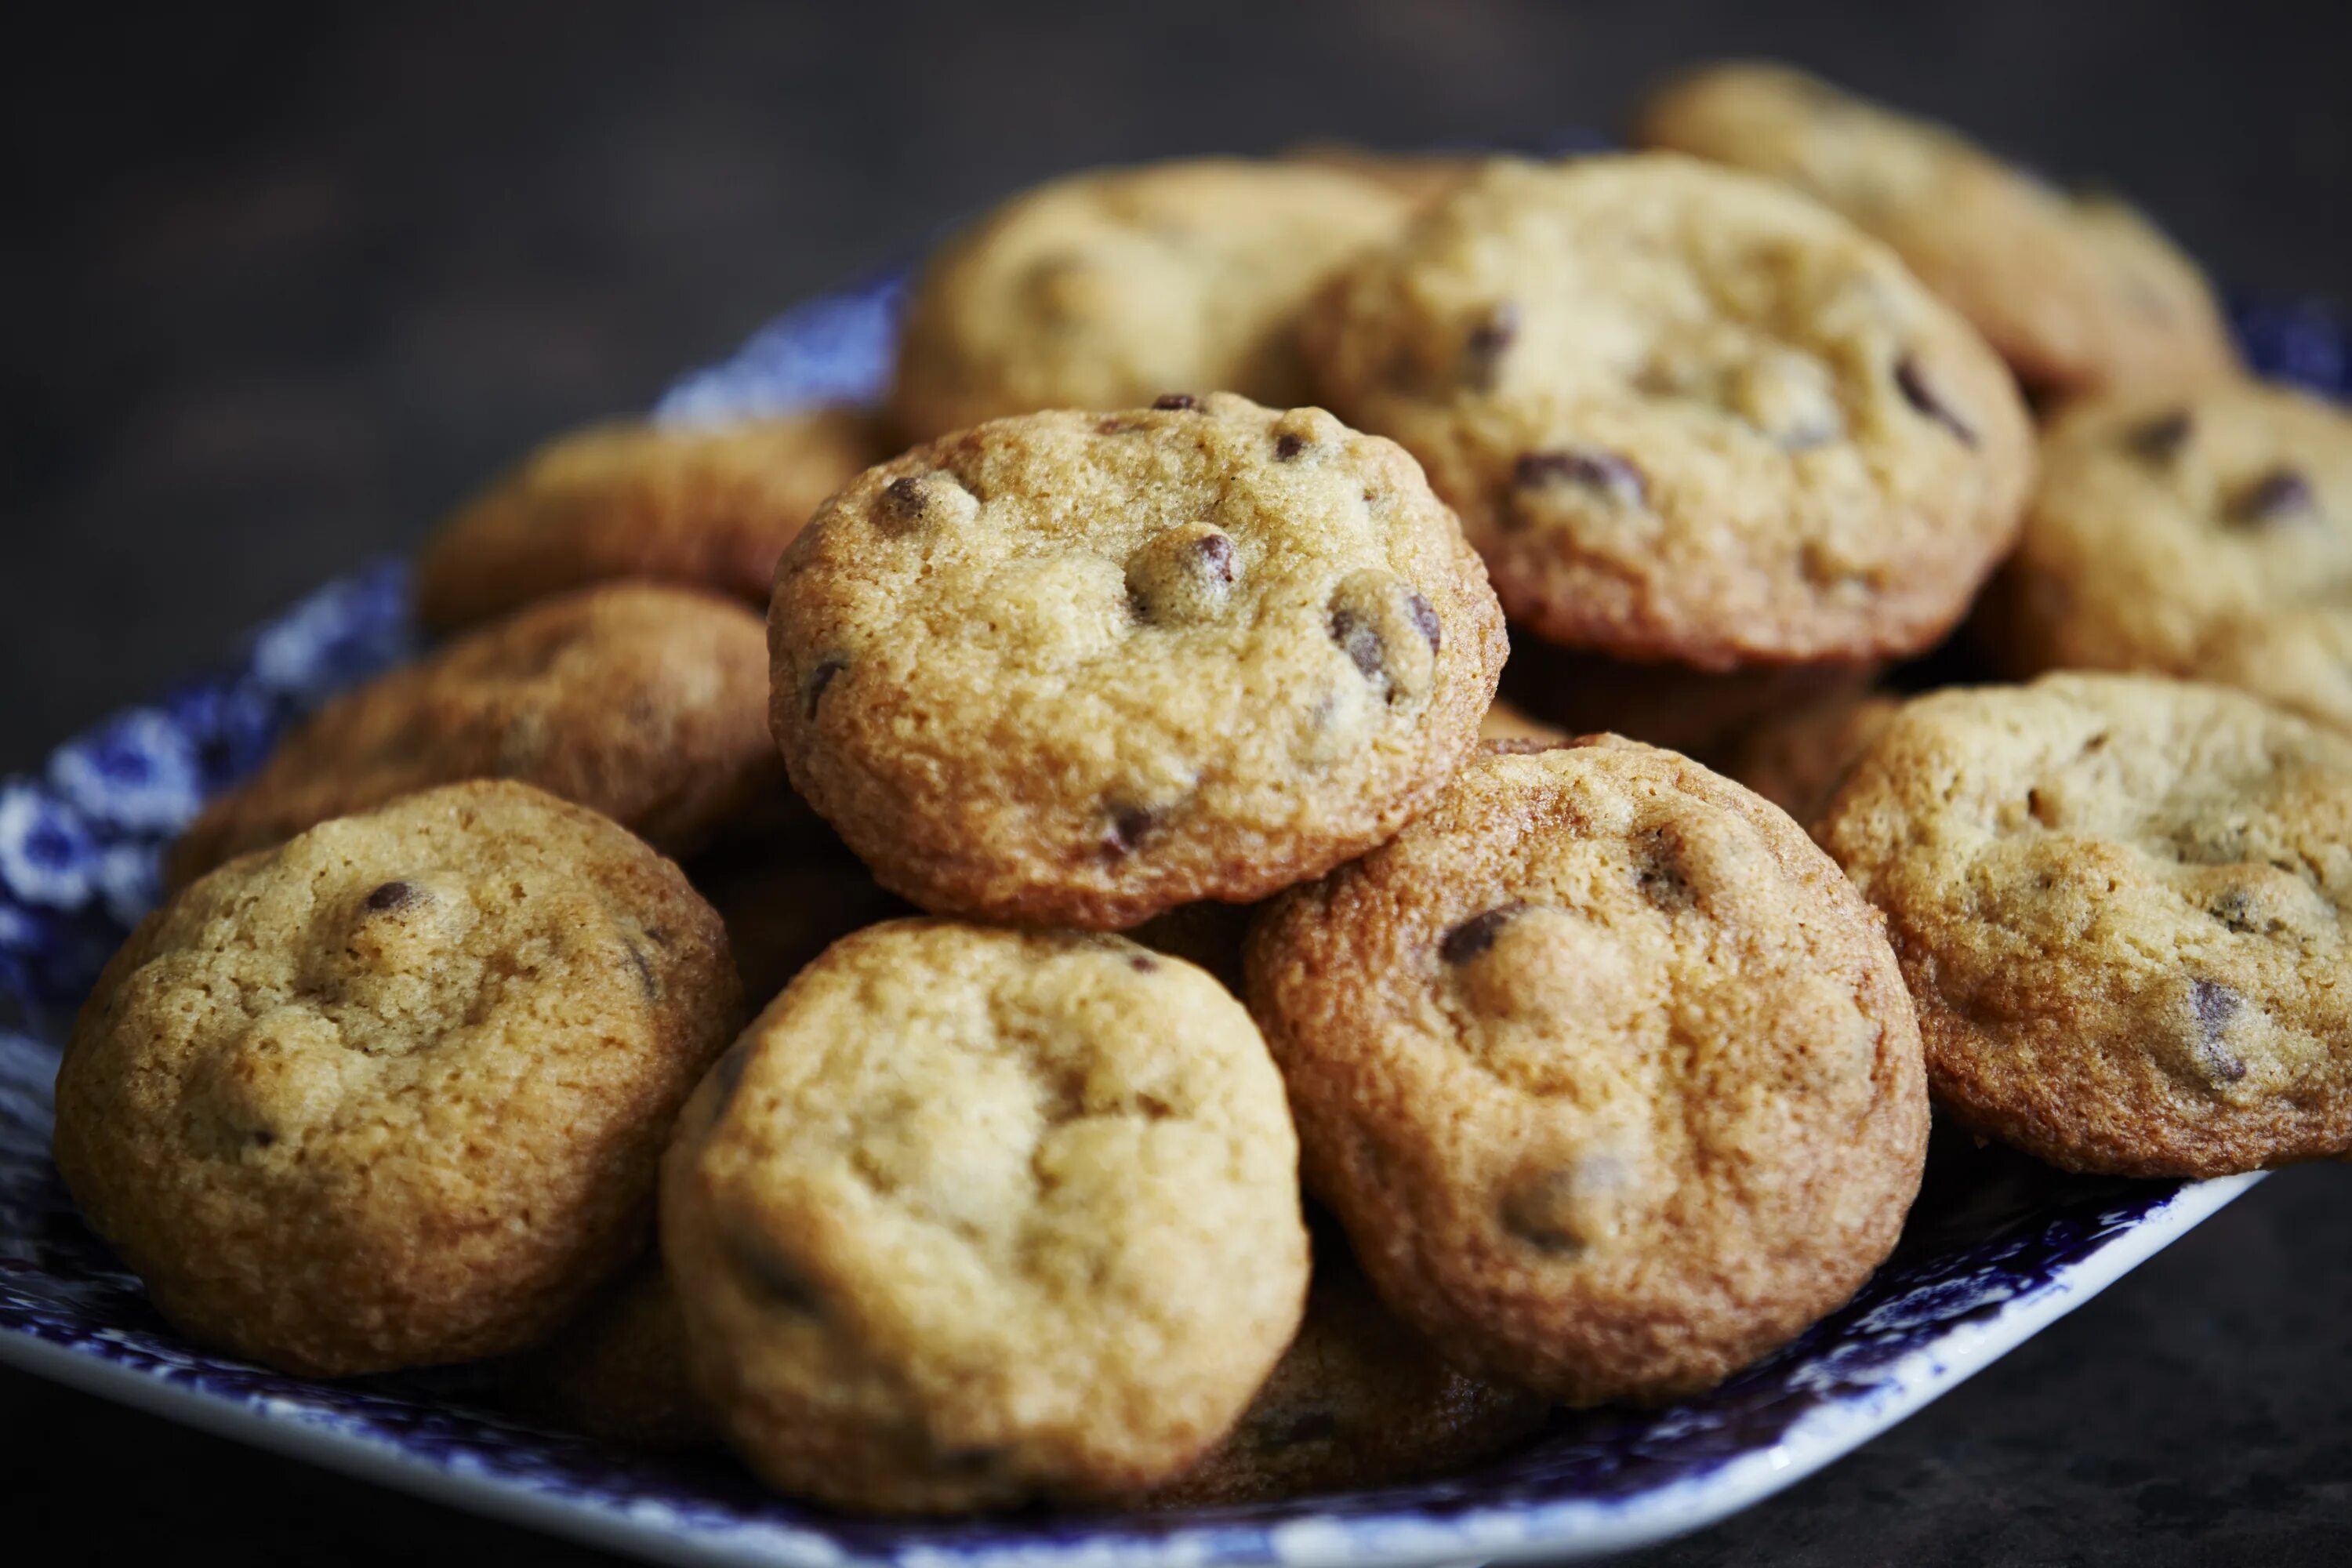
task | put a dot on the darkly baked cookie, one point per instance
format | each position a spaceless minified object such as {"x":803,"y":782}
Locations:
{"x":644,"y":702}
{"x":2078,"y":292}
{"x":2119,"y":901}
{"x":1609,"y":1073}
{"x":1075,"y":669}
{"x":1686,"y":414}
{"x":708,"y":506}
{"x":970,"y":1216}
{"x":395,"y":1093}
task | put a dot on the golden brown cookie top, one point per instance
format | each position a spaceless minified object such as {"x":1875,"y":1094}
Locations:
{"x":644,"y":702}
{"x":2206,"y":535}
{"x":1079,"y":668}
{"x":699,"y":506}
{"x":1610,"y":1074}
{"x":1105,"y":289}
{"x":2077,"y":291}
{"x":395,"y":1092}
{"x":972,"y":1215}
{"x":2120,"y":903}
{"x":1685,"y":414}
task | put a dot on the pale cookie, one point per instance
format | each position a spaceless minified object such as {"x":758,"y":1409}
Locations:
{"x":394,"y":1094}
{"x":646,"y":703}
{"x":2208,"y":536}
{"x":708,"y":506}
{"x":2119,"y":901}
{"x":1607,"y":1070}
{"x":1105,"y":289}
{"x":1077,"y":669}
{"x":1686,"y":414}
{"x":2078,"y":292}
{"x":973,"y":1215}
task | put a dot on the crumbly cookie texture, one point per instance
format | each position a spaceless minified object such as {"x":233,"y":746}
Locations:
{"x":618,"y":1370}
{"x":646,"y":703}
{"x":1077,"y":668}
{"x":396,"y":1093}
{"x":2119,"y":901}
{"x":2077,"y":291}
{"x":707,"y":507}
{"x":1105,"y":289}
{"x":1358,"y":1401}
{"x":1607,"y":1070}
{"x":970,"y":1216}
{"x":1686,"y":414}
{"x":2207,"y":536}
{"x":1796,"y":759}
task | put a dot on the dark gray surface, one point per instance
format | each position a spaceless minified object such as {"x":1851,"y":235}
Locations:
{"x":282,"y":284}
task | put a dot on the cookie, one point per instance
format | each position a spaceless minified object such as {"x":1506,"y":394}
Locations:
{"x":785,"y":898}
{"x":396,"y":1093}
{"x":618,"y":1370}
{"x":971,"y":1215}
{"x":2207,"y":536}
{"x":707,"y":507}
{"x":1608,"y":1072}
{"x":1700,"y":713}
{"x":646,"y":703}
{"x":1358,"y":1401}
{"x":1504,"y":722}
{"x":1104,"y":289}
{"x":1796,"y":759}
{"x":1077,"y":669}
{"x":2120,"y":903}
{"x":2077,"y":291}
{"x":1686,"y":415}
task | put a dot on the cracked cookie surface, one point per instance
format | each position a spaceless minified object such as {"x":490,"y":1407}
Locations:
{"x":707,"y":507}
{"x":646,"y":703}
{"x":1609,"y":1073}
{"x":1683,"y":414}
{"x":1077,"y":668}
{"x":396,"y":1093}
{"x":2207,"y":536}
{"x":970,"y":1216}
{"x":2119,"y":902}
{"x":2077,"y":291}
{"x":1105,"y":289}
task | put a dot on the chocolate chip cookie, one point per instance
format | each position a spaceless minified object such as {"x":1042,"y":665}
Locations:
{"x":644,"y":702}
{"x":1609,"y":1073}
{"x":1104,"y":289}
{"x":2207,"y":536}
{"x":396,"y":1093}
{"x":1686,"y":414}
{"x":708,"y":506}
{"x":1700,"y":713}
{"x":618,"y":1370}
{"x":1075,"y":669}
{"x":970,"y":1216}
{"x":1796,"y":759}
{"x":785,"y":898}
{"x":2119,"y":901}
{"x":2077,"y":291}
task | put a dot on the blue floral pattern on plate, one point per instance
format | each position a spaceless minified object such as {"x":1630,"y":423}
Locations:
{"x":1997,"y":1247}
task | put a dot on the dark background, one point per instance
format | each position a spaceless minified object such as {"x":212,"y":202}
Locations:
{"x":280,"y":283}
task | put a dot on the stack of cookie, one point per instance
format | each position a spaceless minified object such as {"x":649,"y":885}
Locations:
{"x":1206,"y":1049}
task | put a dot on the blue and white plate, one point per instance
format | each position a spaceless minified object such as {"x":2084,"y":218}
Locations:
{"x":1998,"y":1246}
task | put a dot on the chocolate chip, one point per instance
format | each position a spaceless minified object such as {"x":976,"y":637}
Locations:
{"x":1216,"y":552}
{"x":2157,"y":440}
{"x":1143,"y":964}
{"x":1124,"y":832}
{"x":765,"y":1269}
{"x":904,"y":497}
{"x":1604,"y":471}
{"x":1537,"y":1211}
{"x":1477,"y":934}
{"x":2235,"y":911}
{"x":1425,"y":621}
{"x":261,"y":1140}
{"x":1922,"y":397}
{"x":1174,"y":400}
{"x":2279,"y":493}
{"x":1485,"y":344}
{"x":819,"y":677}
{"x":647,"y":981}
{"x":1658,"y":871}
{"x":2215,"y":1004}
{"x":1287,"y":445}
{"x":392,"y":896}
{"x":1180,"y":574}
{"x":1359,"y":639}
